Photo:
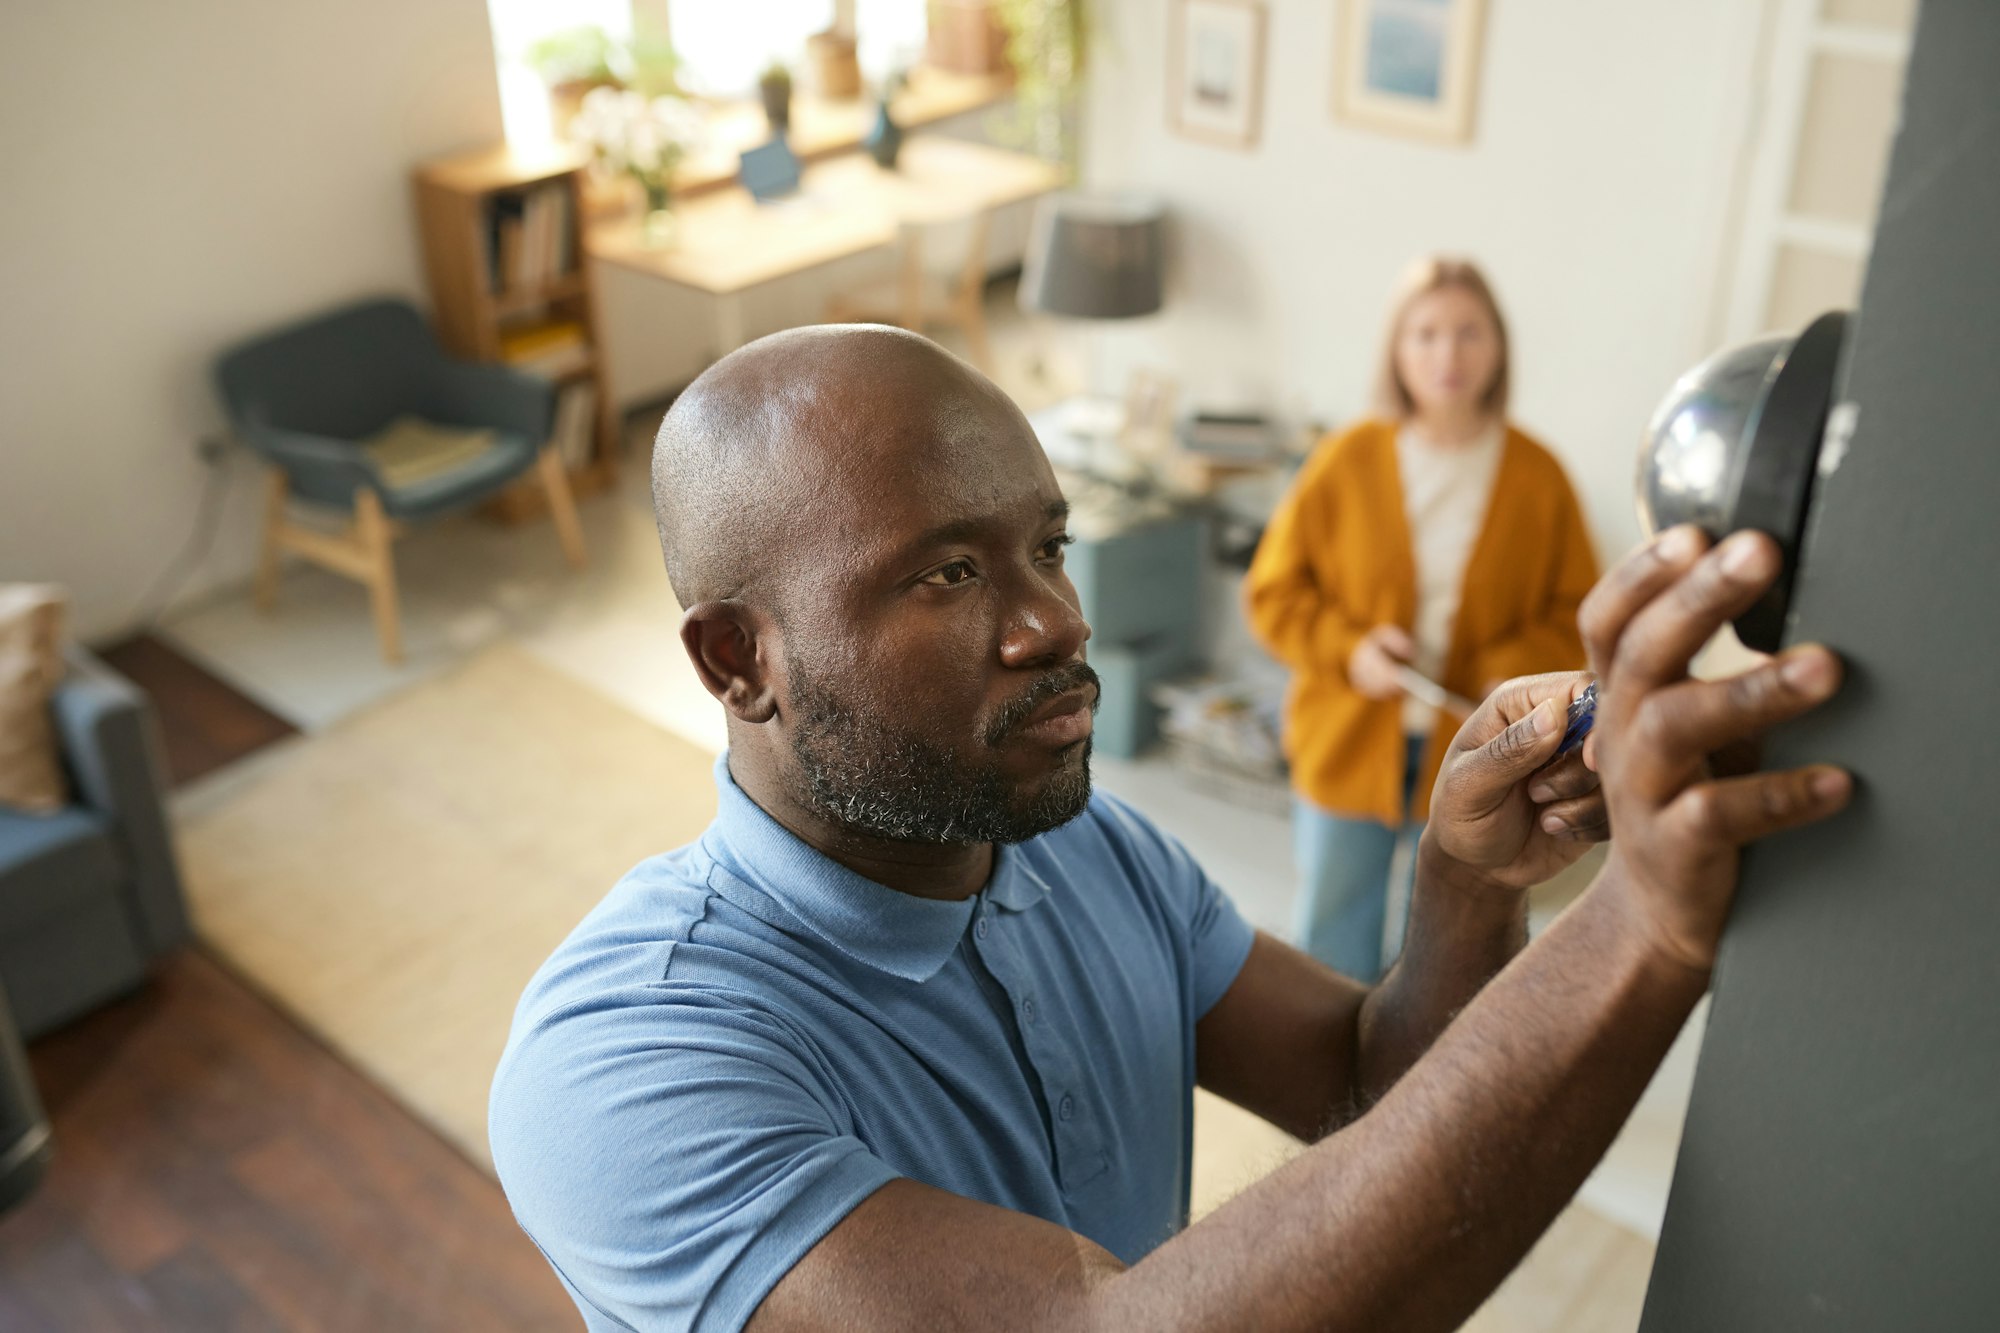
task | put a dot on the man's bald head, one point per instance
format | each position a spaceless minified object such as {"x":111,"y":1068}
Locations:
{"x":867,"y":542}
{"x":753,"y":453}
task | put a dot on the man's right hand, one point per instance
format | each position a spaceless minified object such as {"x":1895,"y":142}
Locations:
{"x":1410,"y":1215}
{"x":1371,"y":667}
{"x":1677,"y":829}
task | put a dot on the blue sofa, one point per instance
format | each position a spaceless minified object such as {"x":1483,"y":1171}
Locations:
{"x":91,"y":895}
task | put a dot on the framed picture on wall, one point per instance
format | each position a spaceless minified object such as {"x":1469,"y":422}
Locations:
{"x":1216,"y":82}
{"x":1409,"y":66}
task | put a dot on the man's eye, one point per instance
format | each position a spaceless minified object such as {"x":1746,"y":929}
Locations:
{"x":1052,"y":549}
{"x":951,"y":575}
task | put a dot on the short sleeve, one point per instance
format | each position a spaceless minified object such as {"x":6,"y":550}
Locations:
{"x":674,"y":1154}
{"x":1217,"y":937}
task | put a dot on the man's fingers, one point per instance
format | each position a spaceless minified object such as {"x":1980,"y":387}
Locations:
{"x":1657,"y":643}
{"x":1485,"y":775}
{"x":1514,"y":700}
{"x":1585,"y":819}
{"x":1567,"y":777}
{"x":1741,"y":810}
{"x":1696,"y":718}
{"x":1633,"y":582}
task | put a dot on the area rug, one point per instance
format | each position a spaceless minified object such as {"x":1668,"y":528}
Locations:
{"x":393,"y":881}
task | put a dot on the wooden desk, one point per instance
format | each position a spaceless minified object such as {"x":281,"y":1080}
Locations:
{"x":726,"y":242}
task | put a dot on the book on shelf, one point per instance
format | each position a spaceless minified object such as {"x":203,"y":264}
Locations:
{"x":532,"y":238}
{"x":529,"y":275}
{"x":504,"y":255}
{"x":576,"y":413}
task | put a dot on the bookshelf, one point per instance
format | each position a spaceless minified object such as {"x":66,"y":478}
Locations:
{"x":503,"y":251}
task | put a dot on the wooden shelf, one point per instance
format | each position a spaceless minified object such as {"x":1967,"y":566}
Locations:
{"x":461,"y":202}
{"x":499,"y":168}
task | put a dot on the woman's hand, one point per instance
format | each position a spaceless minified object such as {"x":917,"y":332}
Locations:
{"x":1504,"y":805}
{"x":1371,"y":667}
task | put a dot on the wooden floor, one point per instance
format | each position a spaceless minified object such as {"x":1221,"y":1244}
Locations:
{"x":204,"y":721}
{"x":217,"y":1169}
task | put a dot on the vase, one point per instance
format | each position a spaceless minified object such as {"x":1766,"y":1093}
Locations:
{"x":660,"y":224}
{"x":885,"y":138}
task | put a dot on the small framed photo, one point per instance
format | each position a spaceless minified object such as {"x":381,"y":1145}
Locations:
{"x":1216,"y":93}
{"x":1409,"y":66}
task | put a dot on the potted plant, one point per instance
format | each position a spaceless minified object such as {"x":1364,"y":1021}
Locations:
{"x":833,"y":66}
{"x":572,"y":63}
{"x":965,"y":36}
{"x":775,"y":87}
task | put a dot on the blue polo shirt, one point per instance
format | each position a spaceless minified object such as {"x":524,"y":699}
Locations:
{"x":745,"y":1039}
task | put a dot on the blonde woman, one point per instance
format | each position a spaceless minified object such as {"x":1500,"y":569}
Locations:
{"x":1434,"y":537}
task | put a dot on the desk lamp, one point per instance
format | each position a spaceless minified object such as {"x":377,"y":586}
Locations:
{"x":1095,"y":257}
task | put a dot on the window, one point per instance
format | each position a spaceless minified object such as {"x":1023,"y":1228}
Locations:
{"x":517,"y":26}
{"x":724,"y":45}
{"x":890,"y":34}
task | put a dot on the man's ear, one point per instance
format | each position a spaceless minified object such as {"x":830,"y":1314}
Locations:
{"x":729,"y":645}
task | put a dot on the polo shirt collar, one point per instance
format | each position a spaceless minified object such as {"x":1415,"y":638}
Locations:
{"x":897,"y":933}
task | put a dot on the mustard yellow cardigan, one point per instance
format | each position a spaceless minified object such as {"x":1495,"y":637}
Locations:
{"x":1336,"y":561}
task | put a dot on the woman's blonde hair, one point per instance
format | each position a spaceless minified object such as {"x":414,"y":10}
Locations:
{"x":1429,"y":274}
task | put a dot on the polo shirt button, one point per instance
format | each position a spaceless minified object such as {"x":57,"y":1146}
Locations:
{"x":985,"y":925}
{"x":1066,"y":1107}
{"x":1028,"y":1011}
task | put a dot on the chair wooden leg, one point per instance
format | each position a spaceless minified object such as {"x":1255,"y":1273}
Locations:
{"x":371,"y":525}
{"x":268,"y":563}
{"x":562,"y":506}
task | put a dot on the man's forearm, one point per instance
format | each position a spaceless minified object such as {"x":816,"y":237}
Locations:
{"x":1408,"y":1217}
{"x":1463,"y":929}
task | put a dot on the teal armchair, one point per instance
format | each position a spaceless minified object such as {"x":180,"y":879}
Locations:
{"x":306,"y":398}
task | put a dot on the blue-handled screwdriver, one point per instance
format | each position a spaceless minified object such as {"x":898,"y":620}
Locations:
{"x":1582,"y":712}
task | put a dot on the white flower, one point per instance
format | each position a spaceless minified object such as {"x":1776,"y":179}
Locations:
{"x":628,"y":133}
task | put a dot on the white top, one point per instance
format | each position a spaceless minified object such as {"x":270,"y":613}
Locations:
{"x":1445,"y":493}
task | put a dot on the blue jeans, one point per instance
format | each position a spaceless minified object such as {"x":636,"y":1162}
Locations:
{"x":1342,"y":912}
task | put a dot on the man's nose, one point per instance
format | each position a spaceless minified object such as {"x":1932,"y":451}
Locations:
{"x":1045,"y":629}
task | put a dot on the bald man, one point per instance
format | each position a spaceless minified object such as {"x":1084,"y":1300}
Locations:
{"x":908,"y":1039}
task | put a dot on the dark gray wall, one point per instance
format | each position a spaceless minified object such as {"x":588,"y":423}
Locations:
{"x":1841,"y":1168}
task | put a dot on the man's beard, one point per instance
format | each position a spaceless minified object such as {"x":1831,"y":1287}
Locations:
{"x":875,"y":778}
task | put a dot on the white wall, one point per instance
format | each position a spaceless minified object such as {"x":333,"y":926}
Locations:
{"x":174,"y":177}
{"x":1594,"y":192}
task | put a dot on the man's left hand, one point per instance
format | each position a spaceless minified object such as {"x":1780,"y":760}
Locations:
{"x":1504,"y":806}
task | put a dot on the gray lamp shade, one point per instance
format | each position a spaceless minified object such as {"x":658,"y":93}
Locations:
{"x":1094,"y":257}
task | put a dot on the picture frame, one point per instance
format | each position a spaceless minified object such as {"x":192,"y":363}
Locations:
{"x":1215,"y":91}
{"x":1409,"y":67}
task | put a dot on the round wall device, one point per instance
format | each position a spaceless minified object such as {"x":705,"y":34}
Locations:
{"x":1735,"y":445}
